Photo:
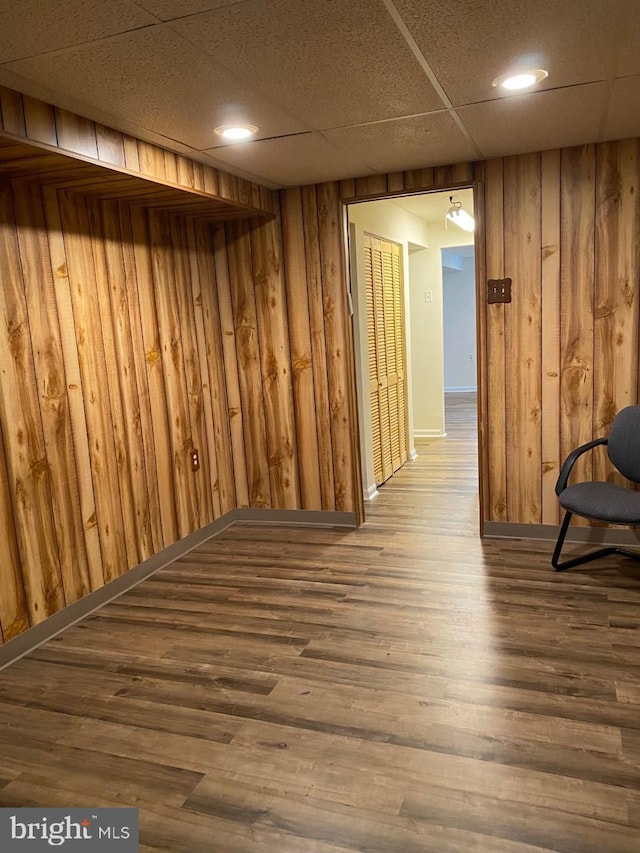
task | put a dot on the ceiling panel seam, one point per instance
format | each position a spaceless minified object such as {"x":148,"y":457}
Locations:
{"x":424,"y":64}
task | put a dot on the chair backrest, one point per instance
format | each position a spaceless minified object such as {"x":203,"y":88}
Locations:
{"x":624,"y":442}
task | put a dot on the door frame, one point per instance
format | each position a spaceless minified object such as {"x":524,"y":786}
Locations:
{"x":479,"y":240}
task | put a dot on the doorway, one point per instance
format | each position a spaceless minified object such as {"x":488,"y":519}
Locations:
{"x":416,"y":224}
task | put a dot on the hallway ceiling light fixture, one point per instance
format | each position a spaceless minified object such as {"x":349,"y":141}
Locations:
{"x":521,"y":80}
{"x":459,"y":216}
{"x":236,"y":133}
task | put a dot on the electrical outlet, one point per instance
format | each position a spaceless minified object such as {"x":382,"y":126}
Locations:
{"x":195,"y":459}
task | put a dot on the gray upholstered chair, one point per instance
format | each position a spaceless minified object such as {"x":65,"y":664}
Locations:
{"x":603,"y":501}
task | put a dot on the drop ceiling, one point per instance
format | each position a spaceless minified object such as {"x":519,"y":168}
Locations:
{"x":338,"y":88}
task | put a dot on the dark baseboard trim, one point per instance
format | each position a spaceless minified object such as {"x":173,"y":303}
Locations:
{"x":586,"y":535}
{"x":68,"y":616}
{"x":310,"y":517}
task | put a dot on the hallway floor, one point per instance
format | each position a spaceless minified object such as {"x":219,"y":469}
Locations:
{"x":401,"y":688}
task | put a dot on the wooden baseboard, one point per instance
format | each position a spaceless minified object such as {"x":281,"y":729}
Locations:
{"x":587,"y":535}
{"x":63,"y":619}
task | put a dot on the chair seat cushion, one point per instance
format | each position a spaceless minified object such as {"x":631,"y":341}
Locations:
{"x":602,"y":501}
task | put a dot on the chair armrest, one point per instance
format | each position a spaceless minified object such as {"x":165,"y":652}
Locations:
{"x":570,"y":461}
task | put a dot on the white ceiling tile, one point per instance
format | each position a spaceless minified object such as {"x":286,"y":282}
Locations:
{"x":409,"y":143}
{"x":167,"y":10}
{"x":29,"y":27}
{"x":342,"y":66}
{"x":471,"y":42}
{"x":293,"y":160}
{"x":623,"y":117}
{"x":627,"y":48}
{"x":169,"y":86}
{"x":538,"y":121}
{"x":331,"y":63}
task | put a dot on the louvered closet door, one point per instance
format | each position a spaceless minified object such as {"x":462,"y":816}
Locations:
{"x":385,"y":328}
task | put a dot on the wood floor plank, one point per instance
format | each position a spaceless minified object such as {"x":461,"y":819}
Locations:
{"x":400,"y":688}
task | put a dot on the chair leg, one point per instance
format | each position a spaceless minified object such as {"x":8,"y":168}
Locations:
{"x":586,"y":558}
{"x":560,"y":542}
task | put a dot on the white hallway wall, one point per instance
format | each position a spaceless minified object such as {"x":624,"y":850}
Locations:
{"x":427,"y":328}
{"x":459,"y":312}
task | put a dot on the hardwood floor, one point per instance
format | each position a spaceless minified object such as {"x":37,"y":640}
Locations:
{"x":401,"y":688}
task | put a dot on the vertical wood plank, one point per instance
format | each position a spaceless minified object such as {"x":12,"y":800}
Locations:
{"x":452,"y":176}
{"x":255,"y":195}
{"x":318,"y":346}
{"x":116,"y":305}
{"x":495,"y":355}
{"x":198,"y":175}
{"x":228,"y":186}
{"x":131,"y":153}
{"x":211,"y":180}
{"x":112,"y":388}
{"x":550,"y":270}
{"x":144,"y":423}
{"x":12,"y":112}
{"x":395,"y":182}
{"x":373,"y":185}
{"x":151,"y":159}
{"x":344,"y":426}
{"x":14,"y":614}
{"x":185,"y":174}
{"x":172,"y":358}
{"x":244,"y":191}
{"x":522,"y":259}
{"x":159,"y":438}
{"x":347,"y":189}
{"x":52,"y":391}
{"x":171,"y":166}
{"x":212,"y":479}
{"x":617,"y":233}
{"x":248,"y":355}
{"x":40,"y":121}
{"x":22,"y":432}
{"x":268,"y":199}
{"x":299,"y":324}
{"x":227,"y":327}
{"x":419,"y":179}
{"x":203,"y":478}
{"x":275,"y":360}
{"x":93,"y":369}
{"x":577,"y":205}
{"x":214,"y":364}
{"x":74,"y":389}
{"x":110,"y":144}
{"x":76,"y":134}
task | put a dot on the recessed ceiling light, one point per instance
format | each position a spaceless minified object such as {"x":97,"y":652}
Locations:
{"x":522,"y":80}
{"x":237,"y":132}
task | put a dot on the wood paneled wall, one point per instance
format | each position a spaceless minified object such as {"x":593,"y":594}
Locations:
{"x":561,"y":359}
{"x":129,"y":337}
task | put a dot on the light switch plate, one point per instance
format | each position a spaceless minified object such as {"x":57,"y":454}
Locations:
{"x":498,"y":290}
